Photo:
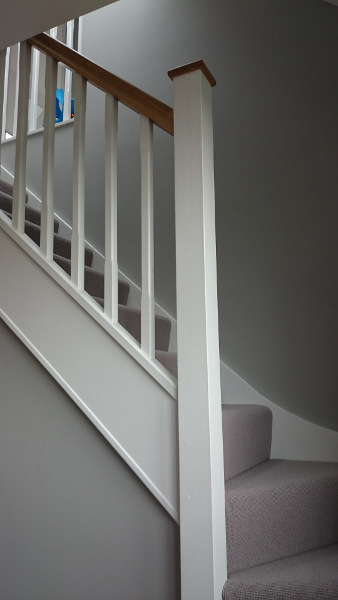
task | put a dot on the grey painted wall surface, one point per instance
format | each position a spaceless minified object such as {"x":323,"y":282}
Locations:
{"x":276,"y":143}
{"x":75,"y":523}
{"x":20,"y":20}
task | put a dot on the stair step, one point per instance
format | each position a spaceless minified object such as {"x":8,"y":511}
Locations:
{"x":280,"y":508}
{"x":94,"y":281}
{"x":308,"y":576}
{"x":168,"y":360}
{"x":247,"y":432}
{"x":130,"y":319}
{"x":7,"y":188}
{"x":62,"y":246}
{"x":32,"y":215}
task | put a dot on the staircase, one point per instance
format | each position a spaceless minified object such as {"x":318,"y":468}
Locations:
{"x":281,"y":516}
{"x":129,"y":318}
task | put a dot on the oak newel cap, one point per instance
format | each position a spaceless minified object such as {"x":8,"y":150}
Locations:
{"x":189,"y":68}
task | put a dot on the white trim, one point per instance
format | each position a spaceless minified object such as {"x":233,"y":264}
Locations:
{"x":154,"y":368}
{"x":150,"y":451}
{"x":86,"y":410}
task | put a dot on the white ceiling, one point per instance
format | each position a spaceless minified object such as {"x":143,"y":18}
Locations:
{"x":20,"y":20}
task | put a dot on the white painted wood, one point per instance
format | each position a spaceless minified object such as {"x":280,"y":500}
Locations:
{"x":104,"y":380}
{"x":33,"y":105}
{"x":2,"y":92}
{"x":68,"y":75}
{"x":16,"y":93}
{"x":47,"y":207}
{"x":19,"y":189}
{"x":3,"y":104}
{"x":77,"y":255}
{"x":111,"y":264}
{"x":203,"y":544}
{"x":147,"y":215}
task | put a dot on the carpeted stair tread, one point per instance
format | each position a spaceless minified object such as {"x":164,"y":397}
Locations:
{"x":91,"y":277}
{"x":280,"y":508}
{"x":32,"y":215}
{"x":130,"y":319}
{"x":308,"y":576}
{"x":168,"y":360}
{"x":247,"y":432}
{"x":62,"y":246}
{"x":7,"y":188}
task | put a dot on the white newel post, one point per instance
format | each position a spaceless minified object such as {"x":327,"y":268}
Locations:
{"x":202,"y":506}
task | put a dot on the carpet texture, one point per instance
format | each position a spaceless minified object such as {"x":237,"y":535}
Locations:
{"x":278,"y":509}
{"x":309,"y":576}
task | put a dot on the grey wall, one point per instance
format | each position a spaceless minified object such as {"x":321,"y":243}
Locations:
{"x":276,"y":143}
{"x":75,"y":523}
{"x":20,"y":20}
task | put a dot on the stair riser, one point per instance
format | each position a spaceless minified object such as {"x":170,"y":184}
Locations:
{"x":279,"y":516}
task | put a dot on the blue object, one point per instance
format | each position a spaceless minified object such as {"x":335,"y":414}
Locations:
{"x":60,"y":97}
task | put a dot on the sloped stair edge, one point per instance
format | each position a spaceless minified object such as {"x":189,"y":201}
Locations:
{"x":136,"y":415}
{"x":154,"y":368}
{"x":134,"y":299}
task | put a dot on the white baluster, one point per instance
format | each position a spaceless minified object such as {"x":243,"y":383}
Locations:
{"x":202,"y":519}
{"x":111,"y":265}
{"x":33,"y":107}
{"x":19,"y":191}
{"x":4,"y":79}
{"x":77,"y":269}
{"x":2,"y":92}
{"x":68,"y":75}
{"x":47,"y":208}
{"x":16,"y":92}
{"x":147,"y":214}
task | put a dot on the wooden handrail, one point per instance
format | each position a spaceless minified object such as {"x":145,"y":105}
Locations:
{"x":129,"y":95}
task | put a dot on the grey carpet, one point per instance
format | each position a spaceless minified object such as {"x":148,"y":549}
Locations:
{"x":31,"y":214}
{"x":278,"y":509}
{"x":7,"y":188}
{"x":309,"y":576}
{"x":247,"y":431}
{"x":129,"y":318}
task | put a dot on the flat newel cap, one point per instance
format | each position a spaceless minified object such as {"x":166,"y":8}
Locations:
{"x":189,"y":68}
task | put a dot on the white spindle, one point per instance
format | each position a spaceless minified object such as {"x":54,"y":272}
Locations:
{"x":16,"y":91}
{"x":19,"y":190}
{"x":4,"y":79}
{"x":77,"y":269}
{"x":111,"y":265}
{"x":202,"y":519}
{"x":47,"y":208}
{"x":33,"y":106}
{"x":147,"y":212}
{"x":2,"y":91}
{"x":68,"y":75}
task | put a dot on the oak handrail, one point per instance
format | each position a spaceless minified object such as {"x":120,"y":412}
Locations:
{"x":129,"y":95}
